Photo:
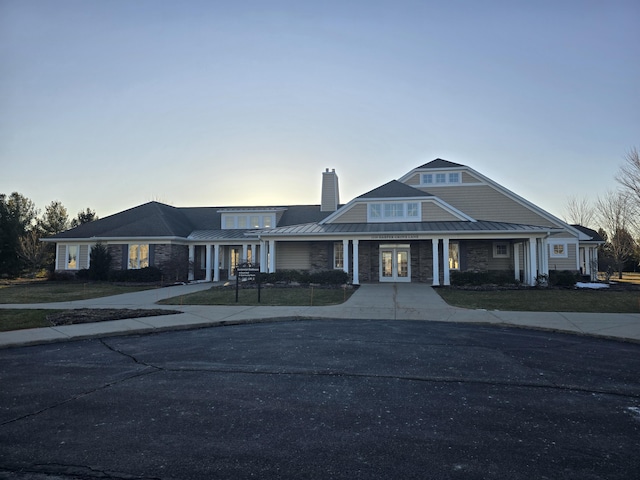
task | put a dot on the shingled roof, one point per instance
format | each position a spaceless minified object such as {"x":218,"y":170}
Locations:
{"x":440,"y":163}
{"x":394,"y":189}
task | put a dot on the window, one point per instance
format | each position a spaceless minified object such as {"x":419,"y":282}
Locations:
{"x":443,"y":178}
{"x":138,"y":256}
{"x":338,"y":255}
{"x":454,"y":256}
{"x":255,"y":221}
{"x":242,"y":221}
{"x":229,"y":222}
{"x":412,"y":210}
{"x":375,"y":211}
{"x":72,"y":257}
{"x":267,"y":221}
{"x":394,"y":212}
{"x":559,"y":250}
{"x":501,"y":250}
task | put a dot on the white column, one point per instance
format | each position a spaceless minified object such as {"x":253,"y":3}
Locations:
{"x":207,"y":277}
{"x":436,"y":262}
{"x":216,"y":263}
{"x":272,"y":256}
{"x":345,"y":255}
{"x":254,"y":253}
{"x":445,"y":260}
{"x":544,"y":257}
{"x":516,"y":261}
{"x":533,"y":262}
{"x":192,"y":260}
{"x":356,"y":276}
{"x":263,"y":256}
{"x":594,"y":271}
{"x":245,"y":253}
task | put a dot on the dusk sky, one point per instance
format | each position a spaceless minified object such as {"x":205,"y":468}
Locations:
{"x":110,"y":104}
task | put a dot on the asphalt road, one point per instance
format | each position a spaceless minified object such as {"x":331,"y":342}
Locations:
{"x":323,"y":399}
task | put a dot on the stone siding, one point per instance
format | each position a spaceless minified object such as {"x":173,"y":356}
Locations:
{"x":173,"y":260}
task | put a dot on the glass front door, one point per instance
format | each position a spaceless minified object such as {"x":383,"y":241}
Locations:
{"x":395,"y":263}
{"x":234,"y":258}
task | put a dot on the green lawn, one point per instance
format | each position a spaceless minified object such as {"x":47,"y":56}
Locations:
{"x":295,"y":296}
{"x":14,"y":319}
{"x":532,"y":300}
{"x":47,"y":291}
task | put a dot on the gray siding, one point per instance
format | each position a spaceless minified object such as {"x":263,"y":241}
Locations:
{"x":293,"y":256}
{"x":356,"y":214}
{"x":485,"y":203}
{"x":434,"y":213}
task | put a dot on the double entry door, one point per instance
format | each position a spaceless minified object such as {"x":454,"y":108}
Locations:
{"x":395,"y":263}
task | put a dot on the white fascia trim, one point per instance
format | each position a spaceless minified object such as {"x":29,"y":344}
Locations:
{"x":114,"y":240}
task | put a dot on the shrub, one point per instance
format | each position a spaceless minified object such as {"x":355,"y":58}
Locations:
{"x":100,"y":262}
{"x":142,"y":275}
{"x":492,"y":277}
{"x":325,"y":277}
{"x":564,"y":278}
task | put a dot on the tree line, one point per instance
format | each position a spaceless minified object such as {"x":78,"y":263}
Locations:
{"x":617,"y":215}
{"x":22,"y":226}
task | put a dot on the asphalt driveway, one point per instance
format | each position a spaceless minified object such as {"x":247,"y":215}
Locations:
{"x":323,"y":399}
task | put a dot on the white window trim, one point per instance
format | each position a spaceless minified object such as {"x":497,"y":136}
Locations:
{"x":232,"y":221}
{"x":383,"y":218}
{"x":435,"y":183}
{"x":565,"y":250}
{"x":66,"y":256}
{"x":338,"y":249}
{"x":501,"y":255}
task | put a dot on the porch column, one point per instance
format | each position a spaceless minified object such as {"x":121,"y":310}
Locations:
{"x":254,"y":252}
{"x":436,"y":261}
{"x":216,"y":263}
{"x":356,"y":277}
{"x":272,"y":256}
{"x":516,"y":261}
{"x":245,"y":253}
{"x":533,"y":262}
{"x":192,"y":259}
{"x":345,"y":255}
{"x":263,"y":257}
{"x":594,"y":264}
{"x":544,"y":256}
{"x":207,"y":277}
{"x":445,"y":260}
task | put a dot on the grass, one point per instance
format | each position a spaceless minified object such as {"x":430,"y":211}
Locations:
{"x":532,"y":300}
{"x":47,"y":291}
{"x":294,"y":296}
{"x":14,"y":319}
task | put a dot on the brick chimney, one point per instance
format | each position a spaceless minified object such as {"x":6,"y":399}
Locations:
{"x":330,"y":194}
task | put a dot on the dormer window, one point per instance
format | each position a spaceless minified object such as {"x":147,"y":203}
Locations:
{"x":394,"y":212}
{"x":441,"y":178}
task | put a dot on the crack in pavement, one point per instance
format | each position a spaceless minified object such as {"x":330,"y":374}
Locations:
{"x":270,"y":370}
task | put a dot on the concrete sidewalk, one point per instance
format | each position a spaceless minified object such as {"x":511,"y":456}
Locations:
{"x":372,"y":302}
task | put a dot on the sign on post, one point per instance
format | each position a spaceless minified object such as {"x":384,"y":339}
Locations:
{"x":247,"y":271}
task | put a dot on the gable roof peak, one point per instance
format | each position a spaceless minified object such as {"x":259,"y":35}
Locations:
{"x":441,"y":163}
{"x":394,"y":189}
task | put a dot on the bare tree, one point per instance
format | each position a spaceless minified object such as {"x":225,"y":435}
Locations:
{"x":579,"y":211}
{"x":629,"y":177}
{"x":32,"y":250}
{"x":614,"y":212}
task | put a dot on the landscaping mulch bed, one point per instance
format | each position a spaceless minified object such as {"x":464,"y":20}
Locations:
{"x":90,"y":315}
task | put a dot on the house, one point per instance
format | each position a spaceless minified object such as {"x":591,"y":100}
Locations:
{"x":437,"y":218}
